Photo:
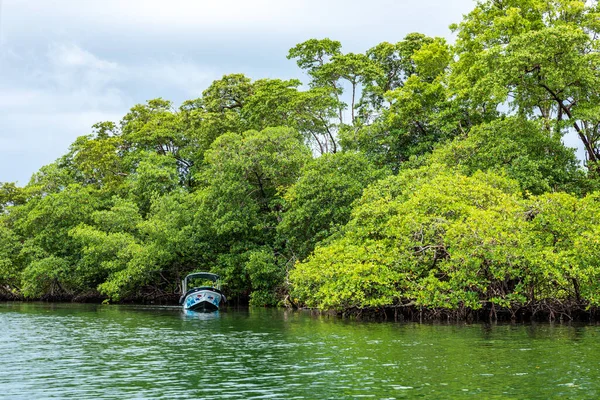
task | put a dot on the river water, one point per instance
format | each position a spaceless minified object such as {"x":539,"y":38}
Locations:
{"x":123,"y":352}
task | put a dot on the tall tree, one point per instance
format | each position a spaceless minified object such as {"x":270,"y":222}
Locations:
{"x":241,"y":203}
{"x":318,"y":205}
{"x":539,"y":57}
{"x":410,"y":101}
{"x":522,"y":149}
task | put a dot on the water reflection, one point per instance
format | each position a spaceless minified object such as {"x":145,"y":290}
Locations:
{"x":94,"y":351}
{"x":202,"y":316}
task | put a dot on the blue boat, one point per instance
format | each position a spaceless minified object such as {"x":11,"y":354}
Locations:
{"x":206,"y":297}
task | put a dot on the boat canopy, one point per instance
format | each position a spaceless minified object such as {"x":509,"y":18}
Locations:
{"x":200,"y":275}
{"x":203,"y":275}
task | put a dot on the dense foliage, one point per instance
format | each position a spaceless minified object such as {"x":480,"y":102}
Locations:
{"x":433,"y":237}
{"x":415,"y":174}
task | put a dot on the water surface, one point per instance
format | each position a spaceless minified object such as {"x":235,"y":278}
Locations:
{"x":98,"y":351}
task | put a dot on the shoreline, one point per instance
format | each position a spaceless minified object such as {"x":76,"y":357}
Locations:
{"x":543,"y":312}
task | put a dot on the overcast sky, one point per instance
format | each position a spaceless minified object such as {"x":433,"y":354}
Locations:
{"x":67,"y":64}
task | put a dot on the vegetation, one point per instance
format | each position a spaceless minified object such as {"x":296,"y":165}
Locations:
{"x":414,"y":176}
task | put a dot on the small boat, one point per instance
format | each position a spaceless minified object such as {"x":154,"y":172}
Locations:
{"x":205,"y":298}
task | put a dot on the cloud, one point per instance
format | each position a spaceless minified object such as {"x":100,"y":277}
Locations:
{"x":241,"y":19}
{"x":72,"y":56}
{"x":30,"y":140}
{"x":72,"y":78}
{"x":65,"y":64}
{"x":48,"y":100}
{"x":186,"y":76}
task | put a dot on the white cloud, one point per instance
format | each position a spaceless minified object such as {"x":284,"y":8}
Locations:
{"x":47,"y":101}
{"x":72,"y":56}
{"x":72,"y":69}
{"x":242,"y":17}
{"x":73,"y":78}
{"x":65,"y":64}
{"x":37,"y":139}
{"x":189,"y":77}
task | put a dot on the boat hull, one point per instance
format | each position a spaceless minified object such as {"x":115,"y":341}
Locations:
{"x":203,"y":301}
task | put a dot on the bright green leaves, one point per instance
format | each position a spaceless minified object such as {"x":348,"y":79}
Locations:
{"x":524,"y":150}
{"x":319,"y":203}
{"x":124,"y":254}
{"x":274,"y":102}
{"x":242,"y":202}
{"x":330,"y":69}
{"x":402,"y":251}
{"x":229,"y":182}
{"x":486,"y":254}
{"x":235,"y":104}
{"x":253,"y":168}
{"x":154,"y":176}
{"x":48,"y":219}
{"x":266,"y":277}
{"x":48,"y":276}
{"x":355,"y":69}
{"x":123,"y":216}
{"x":447,"y":241}
{"x":564,"y":232}
{"x":48,"y":257}
{"x":406,"y":106}
{"x":541,"y":57}
{"x":313,"y":54}
{"x":98,"y":160}
{"x":154,"y":126}
{"x":432,"y":59}
{"x":10,"y":247}
{"x":227,"y":94}
{"x":11,"y":195}
{"x":348,"y":274}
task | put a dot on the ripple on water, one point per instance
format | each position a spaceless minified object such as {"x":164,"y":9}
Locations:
{"x":71,"y":351}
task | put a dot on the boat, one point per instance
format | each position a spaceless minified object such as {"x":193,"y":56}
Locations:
{"x":204,"y":298}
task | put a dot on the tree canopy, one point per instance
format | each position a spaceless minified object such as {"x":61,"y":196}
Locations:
{"x":417,"y":173}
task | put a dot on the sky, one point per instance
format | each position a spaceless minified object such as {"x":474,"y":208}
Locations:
{"x":67,"y":64}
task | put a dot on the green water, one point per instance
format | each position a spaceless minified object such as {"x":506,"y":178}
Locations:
{"x":92,"y":351}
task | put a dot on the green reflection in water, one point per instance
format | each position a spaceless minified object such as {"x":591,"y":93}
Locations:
{"x":95,"y":351}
